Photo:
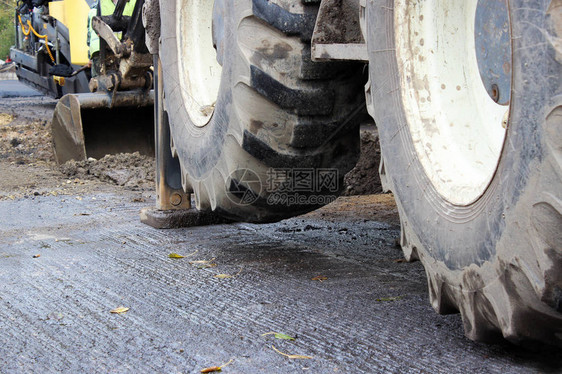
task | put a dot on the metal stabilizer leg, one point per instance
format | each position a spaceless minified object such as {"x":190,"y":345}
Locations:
{"x":173,"y":205}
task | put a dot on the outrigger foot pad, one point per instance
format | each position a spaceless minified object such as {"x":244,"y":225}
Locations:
{"x":177,"y":218}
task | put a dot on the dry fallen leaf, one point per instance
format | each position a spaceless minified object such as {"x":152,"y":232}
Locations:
{"x":225,"y":276}
{"x":320,"y":278}
{"x":212,"y":369}
{"x":119,"y":310}
{"x":203,"y":264}
{"x":400,"y":260}
{"x":291,"y":356}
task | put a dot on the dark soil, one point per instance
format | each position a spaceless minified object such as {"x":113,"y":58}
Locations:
{"x":364,"y":178}
{"x":130,"y":170}
{"x":26,"y":158}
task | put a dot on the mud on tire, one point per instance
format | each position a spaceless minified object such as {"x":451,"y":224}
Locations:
{"x":497,"y":260}
{"x":276,"y":111}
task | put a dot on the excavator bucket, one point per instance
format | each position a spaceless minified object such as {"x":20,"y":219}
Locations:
{"x":96,"y":124}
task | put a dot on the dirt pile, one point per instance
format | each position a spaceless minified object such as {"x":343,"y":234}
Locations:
{"x":130,"y":170}
{"x":27,"y":167}
{"x":24,"y":143}
{"x":364,"y":178}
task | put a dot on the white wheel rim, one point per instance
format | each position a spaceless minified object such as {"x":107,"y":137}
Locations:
{"x":458,"y":131}
{"x":199,"y":72}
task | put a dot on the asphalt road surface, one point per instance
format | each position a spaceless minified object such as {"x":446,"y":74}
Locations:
{"x":370,"y":313}
{"x":13,"y":88}
{"x":333,"y":280}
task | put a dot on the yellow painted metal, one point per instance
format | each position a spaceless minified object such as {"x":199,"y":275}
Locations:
{"x":74,"y":15}
{"x":59,"y":80}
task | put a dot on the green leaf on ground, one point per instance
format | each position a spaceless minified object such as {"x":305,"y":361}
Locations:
{"x":280,"y":335}
{"x":389,"y":298}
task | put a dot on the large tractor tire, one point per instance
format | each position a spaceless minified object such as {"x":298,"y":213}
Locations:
{"x":467,"y":96}
{"x":261,"y":132}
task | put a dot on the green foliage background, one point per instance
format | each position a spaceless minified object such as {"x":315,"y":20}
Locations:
{"x":7,"y":28}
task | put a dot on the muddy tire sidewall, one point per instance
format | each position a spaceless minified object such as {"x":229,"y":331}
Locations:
{"x":468,"y":248}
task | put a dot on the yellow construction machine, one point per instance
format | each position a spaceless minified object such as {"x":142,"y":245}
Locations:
{"x":99,"y":112}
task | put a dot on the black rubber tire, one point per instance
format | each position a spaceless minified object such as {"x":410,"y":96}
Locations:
{"x":276,"y":110}
{"x":499,"y":260}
